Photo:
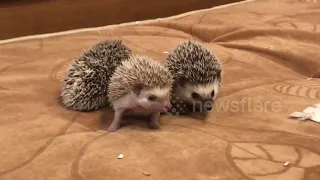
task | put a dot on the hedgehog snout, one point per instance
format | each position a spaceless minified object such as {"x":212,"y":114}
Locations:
{"x":168,"y":105}
{"x":162,"y":106}
{"x":204,"y":105}
{"x":208,"y":107}
{"x":208,"y":104}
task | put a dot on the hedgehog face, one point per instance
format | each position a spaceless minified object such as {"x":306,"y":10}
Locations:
{"x":201,"y":96}
{"x":154,"y":99}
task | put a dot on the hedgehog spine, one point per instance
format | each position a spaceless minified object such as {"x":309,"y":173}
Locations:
{"x":86,"y":82}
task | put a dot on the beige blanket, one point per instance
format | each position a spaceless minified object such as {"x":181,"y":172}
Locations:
{"x":269,"y":49}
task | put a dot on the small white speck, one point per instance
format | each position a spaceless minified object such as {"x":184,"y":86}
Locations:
{"x":137,"y":22}
{"x":286,"y":164}
{"x":120,"y":156}
{"x":309,"y":78}
{"x":165,"y":52}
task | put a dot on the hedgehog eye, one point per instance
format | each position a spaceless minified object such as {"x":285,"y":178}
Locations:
{"x":195,"y":95}
{"x":152,"y":98}
{"x":212,"y":93}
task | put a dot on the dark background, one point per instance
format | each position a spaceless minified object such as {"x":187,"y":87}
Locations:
{"x":29,"y":17}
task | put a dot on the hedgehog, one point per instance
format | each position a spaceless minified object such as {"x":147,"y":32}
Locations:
{"x":140,"y":86}
{"x":86,"y":82}
{"x":197,"y":74}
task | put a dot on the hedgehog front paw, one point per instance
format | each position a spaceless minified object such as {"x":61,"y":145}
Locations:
{"x":154,"y":122}
{"x":154,"y":125}
{"x":113,"y":128}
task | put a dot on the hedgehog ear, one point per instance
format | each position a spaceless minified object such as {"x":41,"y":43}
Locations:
{"x":182,"y":81}
{"x":137,"y":88}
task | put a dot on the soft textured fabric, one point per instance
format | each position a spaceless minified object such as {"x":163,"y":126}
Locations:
{"x":30,"y":17}
{"x":269,"y":49}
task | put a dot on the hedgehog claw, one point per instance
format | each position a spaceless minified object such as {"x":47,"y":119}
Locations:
{"x":113,"y":128}
{"x":115,"y":125}
{"x":154,"y":123}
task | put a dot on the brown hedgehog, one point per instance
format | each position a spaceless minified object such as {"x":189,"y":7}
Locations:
{"x":86,"y":83}
{"x":140,"y":86}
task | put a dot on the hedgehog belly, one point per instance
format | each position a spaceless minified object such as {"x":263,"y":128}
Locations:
{"x":179,"y":108}
{"x":138,"y":111}
{"x":182,"y":109}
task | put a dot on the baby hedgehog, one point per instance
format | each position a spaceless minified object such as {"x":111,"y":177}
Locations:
{"x":86,"y":82}
{"x":197,"y":76}
{"x":140,"y":86}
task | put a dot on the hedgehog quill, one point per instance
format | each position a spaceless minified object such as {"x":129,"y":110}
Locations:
{"x":140,"y":86}
{"x":86,"y":82}
{"x":197,"y":75}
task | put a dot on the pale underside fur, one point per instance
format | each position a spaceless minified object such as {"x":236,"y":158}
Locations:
{"x":140,"y":105}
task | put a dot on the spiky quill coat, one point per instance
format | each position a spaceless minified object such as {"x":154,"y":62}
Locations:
{"x":194,"y":62}
{"x":138,"y":69}
{"x":86,"y":82}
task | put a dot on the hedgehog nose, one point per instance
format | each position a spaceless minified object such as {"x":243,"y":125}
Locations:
{"x":208,"y":106}
{"x":168,"y":105}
